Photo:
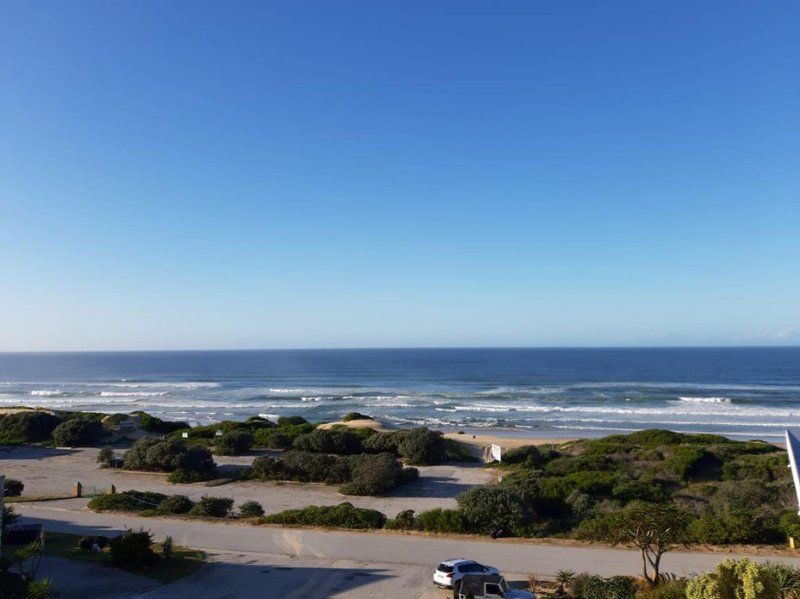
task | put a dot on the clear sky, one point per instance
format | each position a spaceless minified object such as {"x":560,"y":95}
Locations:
{"x":355,"y":174}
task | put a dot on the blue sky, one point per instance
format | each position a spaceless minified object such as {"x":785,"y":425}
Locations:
{"x":355,"y":174}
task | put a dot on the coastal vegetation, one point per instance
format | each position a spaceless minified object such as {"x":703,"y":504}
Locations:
{"x":361,"y":474}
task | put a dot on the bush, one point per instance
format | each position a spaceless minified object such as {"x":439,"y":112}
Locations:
{"x":422,"y":447}
{"x":344,"y":515}
{"x":441,"y":520}
{"x":666,"y":589}
{"x":278,"y":440}
{"x":373,"y":474}
{"x":261,"y":437}
{"x":86,"y":543}
{"x":329,"y":441}
{"x":175,"y":504}
{"x":78,"y":432}
{"x":743,"y":578}
{"x":29,"y":426}
{"x":13,"y":487}
{"x":132,"y":550}
{"x":105,"y":456}
{"x":355,"y":416}
{"x":167,"y":455}
{"x":403,"y":521}
{"x":616,"y":587}
{"x":154,"y":424}
{"x":213,"y":507}
{"x":127,"y":501}
{"x":233,"y":443}
{"x":690,"y":462}
{"x":530,"y":455}
{"x":291,"y":420}
{"x":251,"y":509}
{"x":489,"y":508}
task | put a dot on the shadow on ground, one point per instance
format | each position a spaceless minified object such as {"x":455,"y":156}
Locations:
{"x":32,"y":452}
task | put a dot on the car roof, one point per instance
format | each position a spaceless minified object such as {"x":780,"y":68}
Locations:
{"x":454,"y":561}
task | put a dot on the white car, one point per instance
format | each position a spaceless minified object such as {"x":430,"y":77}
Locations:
{"x":452,"y":570}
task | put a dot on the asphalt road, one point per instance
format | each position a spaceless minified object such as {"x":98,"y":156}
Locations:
{"x":380,"y":548}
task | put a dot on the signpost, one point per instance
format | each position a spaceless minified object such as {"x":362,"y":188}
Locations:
{"x":2,"y":492}
{"x":793,"y":449}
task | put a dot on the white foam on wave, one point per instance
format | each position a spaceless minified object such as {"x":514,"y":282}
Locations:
{"x":133,"y":393}
{"x":47,"y":393}
{"x":725,"y":400}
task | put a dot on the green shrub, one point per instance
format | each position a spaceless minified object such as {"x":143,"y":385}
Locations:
{"x":530,"y":455}
{"x":261,"y":437}
{"x":592,"y":483}
{"x":13,"y":487}
{"x":212,"y":507}
{"x":291,"y":420}
{"x":78,"y":432}
{"x":666,"y":589}
{"x":29,"y":426}
{"x":422,"y":447}
{"x":488,"y":508}
{"x":402,"y":521}
{"x":112,"y":421}
{"x":127,"y":501}
{"x":373,"y":474}
{"x":441,"y":520}
{"x":765,"y":468}
{"x":154,"y":424}
{"x":384,"y":442}
{"x":175,"y":504}
{"x":233,"y":443}
{"x":740,"y":579}
{"x":639,"y":490}
{"x":616,"y":587}
{"x":728,"y":528}
{"x":692,"y":462}
{"x":277,"y":440}
{"x":9,"y":516}
{"x":344,"y":515}
{"x":105,"y":456}
{"x":166,"y":455}
{"x":355,"y":416}
{"x":789,"y":525}
{"x":329,"y":441}
{"x":132,"y":550}
{"x":86,"y":543}
{"x":251,"y":509}
{"x":457,"y":452}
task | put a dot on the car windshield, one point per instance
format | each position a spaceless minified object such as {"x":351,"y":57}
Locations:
{"x":445,"y":568}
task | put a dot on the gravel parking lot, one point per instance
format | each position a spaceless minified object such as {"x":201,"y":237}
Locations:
{"x":50,"y":471}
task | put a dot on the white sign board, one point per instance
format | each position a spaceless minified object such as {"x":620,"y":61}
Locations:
{"x":497,"y":452}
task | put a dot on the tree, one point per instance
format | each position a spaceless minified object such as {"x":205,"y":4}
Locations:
{"x":105,"y":457}
{"x":489,"y":508}
{"x":564,"y":578}
{"x":652,"y":528}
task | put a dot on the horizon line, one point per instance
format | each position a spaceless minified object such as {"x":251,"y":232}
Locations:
{"x":397,"y":348}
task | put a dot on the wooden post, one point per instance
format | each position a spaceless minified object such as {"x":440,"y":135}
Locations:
{"x":77,"y":490}
{"x":112,"y":490}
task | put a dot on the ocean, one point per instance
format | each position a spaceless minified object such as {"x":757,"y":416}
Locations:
{"x":738,"y":392}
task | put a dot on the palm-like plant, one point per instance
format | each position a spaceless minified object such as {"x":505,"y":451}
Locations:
{"x":564,"y":578}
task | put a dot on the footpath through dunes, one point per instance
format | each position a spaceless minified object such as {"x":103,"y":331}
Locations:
{"x":52,"y":472}
{"x":510,"y":555}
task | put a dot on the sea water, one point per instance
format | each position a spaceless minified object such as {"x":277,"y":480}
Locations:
{"x":739,"y":392}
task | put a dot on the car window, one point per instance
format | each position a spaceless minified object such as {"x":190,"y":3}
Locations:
{"x":445,"y":568}
{"x":469,"y":568}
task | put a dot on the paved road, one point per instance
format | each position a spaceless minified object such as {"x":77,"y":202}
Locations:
{"x":404,"y":550}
